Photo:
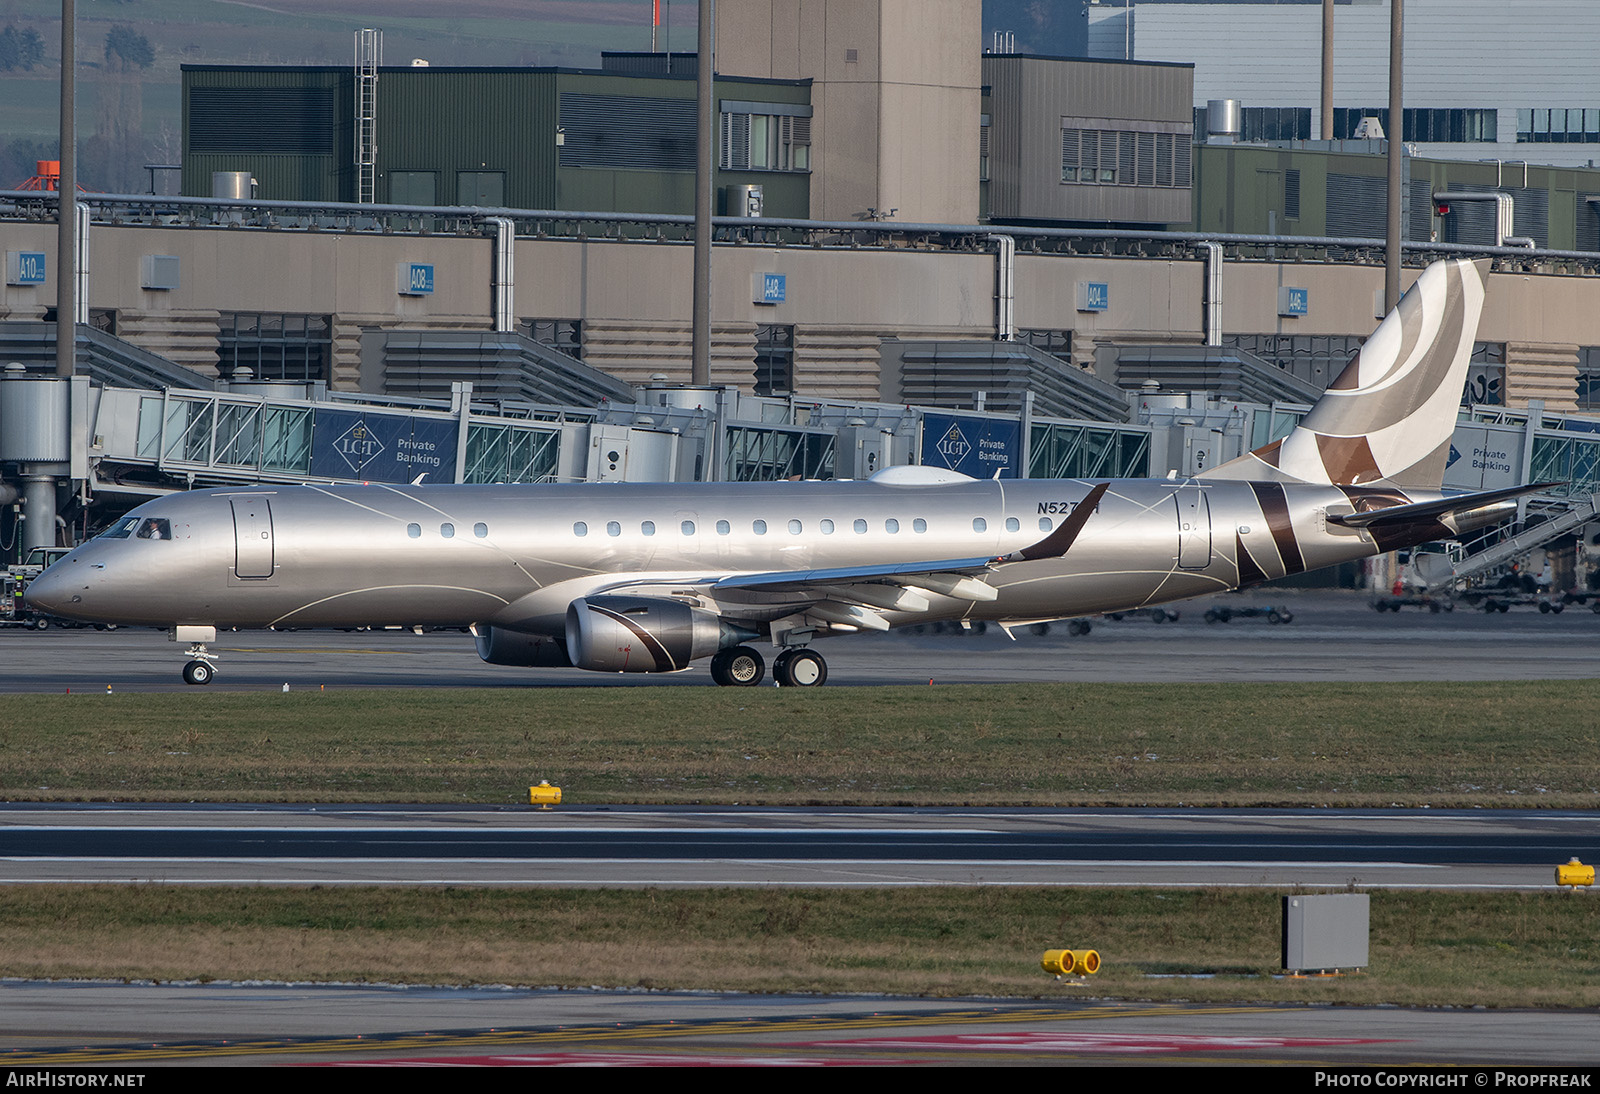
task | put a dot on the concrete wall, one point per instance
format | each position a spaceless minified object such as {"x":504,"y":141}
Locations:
{"x":633,"y":299}
{"x":895,"y":97}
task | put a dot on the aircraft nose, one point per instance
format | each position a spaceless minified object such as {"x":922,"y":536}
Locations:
{"x":51,"y":592}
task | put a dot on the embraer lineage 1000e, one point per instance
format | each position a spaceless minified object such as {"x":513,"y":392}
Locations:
{"x":650,"y":578}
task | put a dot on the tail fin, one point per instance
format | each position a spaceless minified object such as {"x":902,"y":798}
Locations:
{"x":1389,"y":416}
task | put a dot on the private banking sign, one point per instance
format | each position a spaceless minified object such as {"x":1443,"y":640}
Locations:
{"x":382,"y":447}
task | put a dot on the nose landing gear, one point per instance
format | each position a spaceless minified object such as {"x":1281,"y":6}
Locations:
{"x":201,"y":667}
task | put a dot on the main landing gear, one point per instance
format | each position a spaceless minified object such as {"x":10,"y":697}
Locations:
{"x":738,"y":667}
{"x":800,"y":668}
{"x":743,"y":667}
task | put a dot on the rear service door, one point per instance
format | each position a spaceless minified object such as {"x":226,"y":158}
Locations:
{"x":252,"y":537}
{"x":1194,"y":528}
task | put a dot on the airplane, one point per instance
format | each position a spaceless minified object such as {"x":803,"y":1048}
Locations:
{"x":653,"y":577}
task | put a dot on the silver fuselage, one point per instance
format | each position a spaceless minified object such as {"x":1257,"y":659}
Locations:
{"x":517,"y":556}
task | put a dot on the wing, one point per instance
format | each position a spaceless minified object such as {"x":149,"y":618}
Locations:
{"x":857,"y":596}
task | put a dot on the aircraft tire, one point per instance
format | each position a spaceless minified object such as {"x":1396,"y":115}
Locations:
{"x":802,"y":668}
{"x":198,"y":672}
{"x":740,"y":667}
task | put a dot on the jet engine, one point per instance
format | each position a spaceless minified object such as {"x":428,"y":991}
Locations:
{"x":499,"y":646}
{"x":642,"y":634}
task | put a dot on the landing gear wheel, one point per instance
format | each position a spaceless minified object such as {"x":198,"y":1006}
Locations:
{"x":800,"y":668}
{"x":198,"y":672}
{"x":740,"y":667}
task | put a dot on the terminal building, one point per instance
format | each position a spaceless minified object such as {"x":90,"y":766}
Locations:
{"x":495,"y":286}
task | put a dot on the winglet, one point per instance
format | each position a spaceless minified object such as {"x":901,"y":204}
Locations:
{"x":1057,"y":543}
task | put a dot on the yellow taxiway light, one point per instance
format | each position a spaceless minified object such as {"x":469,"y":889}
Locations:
{"x":1574,"y":873}
{"x":1071,"y":962}
{"x":544,"y":795}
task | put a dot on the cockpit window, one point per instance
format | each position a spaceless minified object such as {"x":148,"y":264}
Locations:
{"x":122,"y":529}
{"x":142,"y":527}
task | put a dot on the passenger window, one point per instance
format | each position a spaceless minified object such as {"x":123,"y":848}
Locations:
{"x":1013,"y":524}
{"x":723,"y":528}
{"x":919,"y":525}
{"x":648,"y":527}
{"x":613,"y":528}
{"x":481,"y":530}
{"x":687,"y":527}
{"x":827,"y":527}
{"x":759,"y":527}
{"x":979,"y":524}
{"x":1044,"y":524}
{"x":794,"y":528}
{"x":414,"y":531}
{"x":447,"y":530}
{"x":580,"y":529}
{"x":891,"y":525}
{"x":861,"y":527}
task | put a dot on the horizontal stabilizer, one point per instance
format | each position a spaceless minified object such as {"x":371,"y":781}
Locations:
{"x":1426,"y":510}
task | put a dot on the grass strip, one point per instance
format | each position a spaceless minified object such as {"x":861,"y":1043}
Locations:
{"x":1292,"y":744}
{"x":1427,"y":948}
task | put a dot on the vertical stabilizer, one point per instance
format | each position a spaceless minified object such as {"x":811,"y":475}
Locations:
{"x":1389,"y":416}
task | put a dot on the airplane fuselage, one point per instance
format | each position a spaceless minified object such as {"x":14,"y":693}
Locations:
{"x":517,"y":556}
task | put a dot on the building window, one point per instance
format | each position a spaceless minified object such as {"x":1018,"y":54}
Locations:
{"x":1424,"y":124}
{"x":1113,"y":157}
{"x":1589,"y":377}
{"x":764,"y":137}
{"x":275,"y":347}
{"x":562,"y":335}
{"x":1315,"y":358}
{"x":1486,"y":375}
{"x":627,"y":131}
{"x":1057,"y":343}
{"x":774,"y":359}
{"x":1561,"y":125}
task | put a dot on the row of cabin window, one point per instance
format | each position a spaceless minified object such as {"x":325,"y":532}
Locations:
{"x":759,"y":527}
{"x":448,"y":531}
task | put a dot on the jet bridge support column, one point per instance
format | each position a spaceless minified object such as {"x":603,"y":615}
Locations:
{"x":34,"y":436}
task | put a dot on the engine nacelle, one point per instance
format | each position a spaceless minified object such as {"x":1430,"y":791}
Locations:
{"x":499,"y":646}
{"x":641,"y":634}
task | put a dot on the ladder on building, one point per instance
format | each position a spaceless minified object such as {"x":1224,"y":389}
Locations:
{"x":1583,"y":510}
{"x":369,"y":55}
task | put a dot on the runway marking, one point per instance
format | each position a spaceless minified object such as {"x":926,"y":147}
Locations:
{"x":618,"y":1059}
{"x":963,"y":863}
{"x":1093,"y":1042}
{"x":711,"y":1027}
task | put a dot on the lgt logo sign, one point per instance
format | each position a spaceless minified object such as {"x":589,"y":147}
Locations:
{"x":357,"y":446}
